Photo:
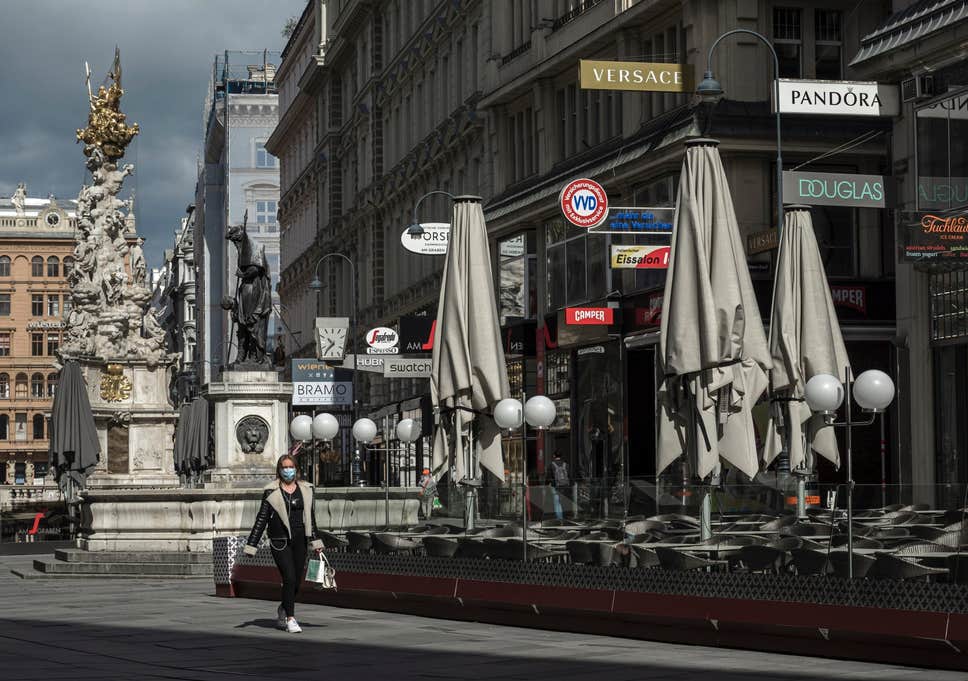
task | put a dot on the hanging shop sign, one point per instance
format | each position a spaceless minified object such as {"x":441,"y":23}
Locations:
{"x":314,"y":382}
{"x":760,"y":242}
{"x":637,"y":221}
{"x":371,"y":363}
{"x":417,"y":333}
{"x":835,"y":189}
{"x":433,"y":241}
{"x":593,"y":350}
{"x":601,"y":316}
{"x":838,"y":98}
{"x":640,"y":257}
{"x":935,"y":237}
{"x":584,"y":203}
{"x":331,"y":337}
{"x":382,"y":341}
{"x":634,"y":75}
{"x":407,"y":367}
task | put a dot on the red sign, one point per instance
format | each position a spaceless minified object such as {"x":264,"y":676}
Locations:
{"x":589,"y":315}
{"x":854,"y":297}
{"x":584,"y":203}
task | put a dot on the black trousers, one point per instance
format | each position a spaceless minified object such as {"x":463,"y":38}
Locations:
{"x":291,"y":561}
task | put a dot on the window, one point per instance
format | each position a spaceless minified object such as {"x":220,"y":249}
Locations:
{"x":53,"y":343}
{"x":38,"y":426}
{"x":37,"y":304}
{"x":5,"y":386}
{"x":67,"y":304}
{"x":827,"y":56}
{"x":4,"y":430}
{"x":518,"y":294}
{"x":51,"y":384}
{"x":20,"y":468}
{"x":53,"y":305}
{"x":37,"y":386}
{"x":4,"y":266}
{"x":20,"y":389}
{"x":4,"y":304}
{"x":263,"y":159}
{"x":53,"y":266}
{"x":265,"y":212}
{"x":36,"y":266}
{"x":36,"y":344}
{"x":942,"y":129}
{"x":787,"y":40}
{"x":5,"y":344}
{"x":68,"y":266}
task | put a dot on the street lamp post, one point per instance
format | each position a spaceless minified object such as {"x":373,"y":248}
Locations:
{"x":317,"y":286}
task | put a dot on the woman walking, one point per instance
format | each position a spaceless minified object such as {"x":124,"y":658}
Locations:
{"x":287,"y":510}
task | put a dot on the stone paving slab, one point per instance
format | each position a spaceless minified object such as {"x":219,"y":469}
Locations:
{"x":80,"y":629}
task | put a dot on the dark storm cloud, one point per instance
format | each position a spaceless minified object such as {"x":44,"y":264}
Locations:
{"x":167,"y":50}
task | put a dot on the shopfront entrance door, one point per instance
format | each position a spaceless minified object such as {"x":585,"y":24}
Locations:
{"x":951,"y":379}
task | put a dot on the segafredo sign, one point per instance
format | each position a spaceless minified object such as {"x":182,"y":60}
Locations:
{"x":838,"y":98}
{"x":433,"y":240}
{"x":835,"y":189}
{"x":382,"y":341}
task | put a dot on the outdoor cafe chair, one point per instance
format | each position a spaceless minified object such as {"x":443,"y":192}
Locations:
{"x":915,"y":507}
{"x":332,"y":541}
{"x":839,"y":563}
{"x":952,"y":539}
{"x":920,"y":548}
{"x":956,"y":525}
{"x":787,"y":543}
{"x":610,"y":554}
{"x":809,"y":561}
{"x":902,"y":517}
{"x":859,"y":542}
{"x":806,"y":530}
{"x":581,"y":552}
{"x":439,"y":547}
{"x":762,"y":558}
{"x":892,"y":567}
{"x":643,"y":526}
{"x":359,"y":542}
{"x":928,"y":533}
{"x":674,"y":559}
{"x":957,"y":568}
{"x":471,"y":547}
{"x":535,"y":552}
{"x":498,"y":549}
{"x":644,"y":556}
{"x":435,"y":530}
{"x":387,"y":542}
{"x":778,"y":524}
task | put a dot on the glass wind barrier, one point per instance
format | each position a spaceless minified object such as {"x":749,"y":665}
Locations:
{"x":772,"y":526}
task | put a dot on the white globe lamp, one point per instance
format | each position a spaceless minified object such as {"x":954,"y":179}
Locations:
{"x":301,"y":428}
{"x":824,"y":393}
{"x":508,"y":414}
{"x":408,"y":431}
{"x":325,"y":426}
{"x":874,"y":391}
{"x":364,"y":430}
{"x":540,"y":412}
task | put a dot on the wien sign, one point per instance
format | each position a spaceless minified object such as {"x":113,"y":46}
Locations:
{"x":838,"y":98}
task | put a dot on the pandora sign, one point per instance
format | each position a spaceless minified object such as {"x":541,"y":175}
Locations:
{"x":838,"y":98}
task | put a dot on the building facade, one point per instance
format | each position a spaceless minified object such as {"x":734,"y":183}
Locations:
{"x":237,"y":177}
{"x":36,"y":256}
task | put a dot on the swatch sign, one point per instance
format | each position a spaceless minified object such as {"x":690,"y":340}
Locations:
{"x":835,"y":189}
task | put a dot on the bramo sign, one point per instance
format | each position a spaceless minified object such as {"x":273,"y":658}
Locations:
{"x":834,"y":189}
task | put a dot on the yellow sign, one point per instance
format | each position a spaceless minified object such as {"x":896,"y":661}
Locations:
{"x":635,"y":75}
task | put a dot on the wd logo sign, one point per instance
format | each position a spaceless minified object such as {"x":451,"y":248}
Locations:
{"x":584,"y":203}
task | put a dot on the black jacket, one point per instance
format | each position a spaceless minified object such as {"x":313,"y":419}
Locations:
{"x":272,"y":516}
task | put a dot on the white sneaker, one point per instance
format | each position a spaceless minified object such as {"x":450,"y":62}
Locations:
{"x":292,"y":626}
{"x":281,"y":617}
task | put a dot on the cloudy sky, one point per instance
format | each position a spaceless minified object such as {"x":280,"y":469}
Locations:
{"x":167,"y":51}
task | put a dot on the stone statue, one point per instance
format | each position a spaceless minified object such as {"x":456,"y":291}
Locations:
{"x":253,"y":299}
{"x":19,"y":198}
{"x":139,"y":268}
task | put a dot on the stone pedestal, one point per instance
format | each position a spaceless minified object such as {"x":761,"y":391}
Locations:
{"x":251,"y":419}
{"x":135,"y":424}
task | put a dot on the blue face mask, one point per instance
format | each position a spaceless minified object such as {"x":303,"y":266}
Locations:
{"x":288,"y":474}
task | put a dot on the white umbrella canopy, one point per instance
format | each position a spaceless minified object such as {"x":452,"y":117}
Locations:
{"x":469,"y":374}
{"x":713,"y":350}
{"x":805,"y":340}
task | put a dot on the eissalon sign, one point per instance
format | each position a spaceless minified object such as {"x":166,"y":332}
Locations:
{"x":838,"y":98}
{"x":834,"y":189}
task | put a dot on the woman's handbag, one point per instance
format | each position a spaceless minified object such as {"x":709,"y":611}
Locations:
{"x":321,"y":572}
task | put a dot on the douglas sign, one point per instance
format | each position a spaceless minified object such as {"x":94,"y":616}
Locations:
{"x":832,"y":189}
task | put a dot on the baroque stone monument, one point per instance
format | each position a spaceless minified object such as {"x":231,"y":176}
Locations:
{"x":110,"y":331}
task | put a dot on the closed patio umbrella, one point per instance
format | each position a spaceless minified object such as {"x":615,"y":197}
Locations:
{"x":713,"y":348}
{"x":181,"y":430}
{"x":805,"y":340}
{"x":197,"y":452}
{"x":469,"y":374}
{"x":74,"y":447}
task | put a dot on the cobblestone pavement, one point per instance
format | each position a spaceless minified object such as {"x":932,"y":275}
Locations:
{"x":79,"y":629}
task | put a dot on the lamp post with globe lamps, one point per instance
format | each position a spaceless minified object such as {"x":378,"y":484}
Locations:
{"x":539,"y":412}
{"x":364,"y":430}
{"x":873,"y":391}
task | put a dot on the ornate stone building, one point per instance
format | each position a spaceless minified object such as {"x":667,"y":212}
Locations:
{"x":36,"y":256}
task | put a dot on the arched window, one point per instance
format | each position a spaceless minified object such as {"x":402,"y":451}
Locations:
{"x":53,"y":266}
{"x":36,"y":266}
{"x":20,"y":388}
{"x":38,"y":426}
{"x":4,"y":266}
{"x":37,"y":385}
{"x":51,"y":384}
{"x":68,"y":266}
{"x":4,"y":426}
{"x":4,"y":386}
